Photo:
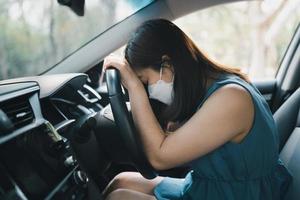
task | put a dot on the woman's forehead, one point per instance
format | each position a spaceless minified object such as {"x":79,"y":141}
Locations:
{"x":145,"y":73}
{"x":141,"y":74}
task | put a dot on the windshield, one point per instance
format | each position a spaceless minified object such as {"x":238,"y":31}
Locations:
{"x":35,"y":35}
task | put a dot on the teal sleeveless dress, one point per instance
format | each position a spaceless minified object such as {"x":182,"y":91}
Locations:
{"x":249,"y":170}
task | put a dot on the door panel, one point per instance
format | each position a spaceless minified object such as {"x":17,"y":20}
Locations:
{"x":288,"y":79}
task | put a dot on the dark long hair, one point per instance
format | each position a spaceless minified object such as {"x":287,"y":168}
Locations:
{"x":192,"y":69}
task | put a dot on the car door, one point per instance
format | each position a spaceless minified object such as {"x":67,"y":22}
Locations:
{"x":288,"y":75}
{"x":277,"y":90}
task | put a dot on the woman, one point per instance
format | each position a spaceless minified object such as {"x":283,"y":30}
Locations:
{"x":227,"y":133}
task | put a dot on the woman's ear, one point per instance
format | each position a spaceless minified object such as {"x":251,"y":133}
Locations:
{"x":165,"y":58}
{"x":166,"y":62}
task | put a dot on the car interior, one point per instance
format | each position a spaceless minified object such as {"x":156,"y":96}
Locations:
{"x":63,"y":135}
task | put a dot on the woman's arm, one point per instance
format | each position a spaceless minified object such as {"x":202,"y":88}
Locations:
{"x":226,"y":114}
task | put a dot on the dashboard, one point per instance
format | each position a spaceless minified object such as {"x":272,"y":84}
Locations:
{"x":36,"y":115}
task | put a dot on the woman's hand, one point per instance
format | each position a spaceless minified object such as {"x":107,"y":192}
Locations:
{"x":128,"y":77}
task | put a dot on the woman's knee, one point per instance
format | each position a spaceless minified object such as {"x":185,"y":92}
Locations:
{"x":133,"y":181}
{"x":116,"y":194}
{"x":121,"y":194}
{"x":123,"y":179}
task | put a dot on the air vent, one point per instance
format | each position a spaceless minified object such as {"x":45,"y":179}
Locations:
{"x":89,"y":94}
{"x":19,"y":111}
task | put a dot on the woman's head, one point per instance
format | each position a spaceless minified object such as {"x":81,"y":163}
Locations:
{"x":160,"y":44}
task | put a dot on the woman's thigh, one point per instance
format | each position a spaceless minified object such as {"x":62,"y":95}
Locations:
{"x":132,"y":181}
{"x":125,"y":194}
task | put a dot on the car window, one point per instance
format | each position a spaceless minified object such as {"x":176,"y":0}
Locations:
{"x":252,"y":36}
{"x":35,"y":35}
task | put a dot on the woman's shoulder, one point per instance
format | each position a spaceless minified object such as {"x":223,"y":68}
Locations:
{"x":229,"y":85}
{"x":232,"y":93}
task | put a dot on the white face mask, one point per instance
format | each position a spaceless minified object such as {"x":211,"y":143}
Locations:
{"x":161,"y":90}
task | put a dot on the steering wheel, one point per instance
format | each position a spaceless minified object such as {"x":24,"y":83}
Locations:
{"x":127,"y":131}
